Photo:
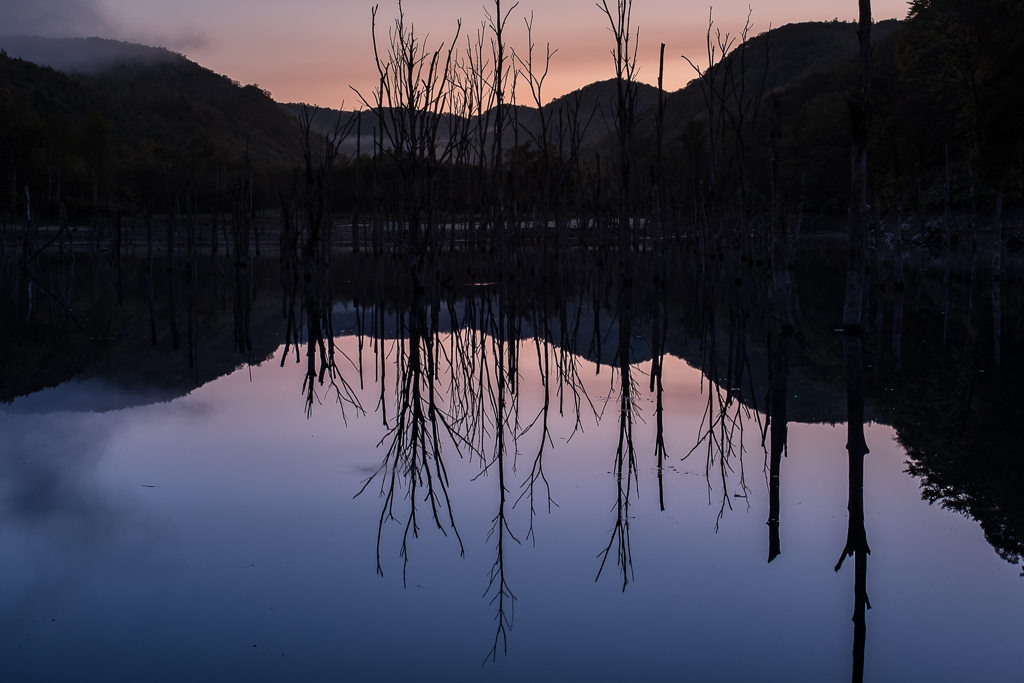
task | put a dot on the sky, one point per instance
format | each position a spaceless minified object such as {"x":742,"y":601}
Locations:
{"x":316,"y":51}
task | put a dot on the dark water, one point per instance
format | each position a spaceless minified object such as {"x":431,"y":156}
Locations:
{"x":558,"y":469}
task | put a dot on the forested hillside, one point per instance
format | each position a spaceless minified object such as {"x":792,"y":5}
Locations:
{"x":121,"y":123}
{"x":132,"y":128}
{"x":946,"y":90}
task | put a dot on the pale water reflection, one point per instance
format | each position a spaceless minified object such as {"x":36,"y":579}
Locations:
{"x":151,"y":533}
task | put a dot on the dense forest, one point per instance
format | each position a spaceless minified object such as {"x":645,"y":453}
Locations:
{"x":128,"y":131}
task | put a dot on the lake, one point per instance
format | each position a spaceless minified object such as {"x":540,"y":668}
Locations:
{"x":462,"y":469}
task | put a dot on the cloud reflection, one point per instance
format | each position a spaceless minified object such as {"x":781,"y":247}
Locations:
{"x":47,"y":464}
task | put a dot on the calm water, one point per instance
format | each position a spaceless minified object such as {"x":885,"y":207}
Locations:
{"x":540,"y":473}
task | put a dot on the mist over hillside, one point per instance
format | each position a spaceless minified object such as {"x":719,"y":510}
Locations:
{"x":119,"y":122}
{"x":85,"y":55}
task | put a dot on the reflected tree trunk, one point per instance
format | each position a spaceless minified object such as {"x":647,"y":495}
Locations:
{"x":898,"y":289}
{"x":243,"y":313}
{"x":779,"y":436}
{"x":658,"y":332}
{"x":853,"y":318}
{"x":897,"y":245}
{"x":413,"y":460}
{"x":897,"y":333}
{"x":505,"y":426}
{"x":625,"y":454}
{"x":856,"y":538}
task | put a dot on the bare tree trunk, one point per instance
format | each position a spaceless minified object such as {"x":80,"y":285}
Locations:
{"x":214,"y":246}
{"x":853,"y":312}
{"x":659,"y":158}
{"x":897,"y":245}
{"x":997,"y":281}
{"x":853,"y":316}
{"x":170,"y":233}
{"x":620,"y":21}
{"x":997,"y":257}
{"x":62,"y":216}
{"x":794,"y":233}
{"x":28,"y":239}
{"x":171,"y":292}
{"x":149,"y":236}
{"x":780,"y":226}
{"x":359,"y":183}
{"x":150,"y":297}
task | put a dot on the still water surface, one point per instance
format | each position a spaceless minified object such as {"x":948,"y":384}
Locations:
{"x":211,"y":529}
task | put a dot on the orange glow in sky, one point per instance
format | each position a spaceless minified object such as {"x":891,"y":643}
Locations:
{"x":314,"y":50}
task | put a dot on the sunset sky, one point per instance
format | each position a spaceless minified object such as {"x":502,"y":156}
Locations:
{"x":313,"y":50}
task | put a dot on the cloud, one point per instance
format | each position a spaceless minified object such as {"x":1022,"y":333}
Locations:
{"x":24,"y":22}
{"x":86,"y":18}
{"x":181,"y":40}
{"x":53,"y":18}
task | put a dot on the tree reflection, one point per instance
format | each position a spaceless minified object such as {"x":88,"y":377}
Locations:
{"x":779,"y":425}
{"x":856,"y":535}
{"x":413,"y":460}
{"x":721,"y":431}
{"x":659,"y":330}
{"x":505,"y":401}
{"x":452,"y":337}
{"x":625,"y":466}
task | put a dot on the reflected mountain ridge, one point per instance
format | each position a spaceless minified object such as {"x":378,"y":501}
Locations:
{"x":449,"y":339}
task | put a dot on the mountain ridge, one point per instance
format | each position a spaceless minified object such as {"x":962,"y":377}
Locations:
{"x":799,"y":50}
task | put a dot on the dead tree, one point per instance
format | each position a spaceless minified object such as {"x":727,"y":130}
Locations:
{"x":624,"y":56}
{"x":859,"y":107}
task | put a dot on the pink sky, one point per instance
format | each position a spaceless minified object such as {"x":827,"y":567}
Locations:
{"x":313,"y":50}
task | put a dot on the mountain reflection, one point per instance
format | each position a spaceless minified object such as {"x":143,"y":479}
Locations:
{"x":453,"y":338}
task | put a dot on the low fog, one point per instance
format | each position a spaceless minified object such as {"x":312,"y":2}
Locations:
{"x":74,"y":36}
{"x":82,"y":55}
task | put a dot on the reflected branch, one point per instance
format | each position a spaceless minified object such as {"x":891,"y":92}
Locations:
{"x":625,"y":454}
{"x":413,"y":460}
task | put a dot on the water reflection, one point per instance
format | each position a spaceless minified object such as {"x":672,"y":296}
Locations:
{"x":624,"y":468}
{"x":856,"y":535}
{"x":46,"y":466}
{"x":779,"y":425}
{"x":458,"y":344}
{"x":413,"y":459}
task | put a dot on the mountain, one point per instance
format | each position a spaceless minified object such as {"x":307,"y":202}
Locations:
{"x":781,"y":58}
{"x":123,"y":121}
{"x":944,"y":104}
{"x":112,"y":123}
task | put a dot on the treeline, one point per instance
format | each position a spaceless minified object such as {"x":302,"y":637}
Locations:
{"x":131,"y":134}
{"x":945,"y":96}
{"x":469,"y":151}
